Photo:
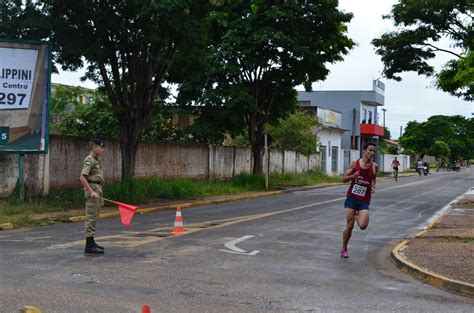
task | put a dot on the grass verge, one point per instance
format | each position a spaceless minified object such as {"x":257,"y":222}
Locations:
{"x":145,"y":191}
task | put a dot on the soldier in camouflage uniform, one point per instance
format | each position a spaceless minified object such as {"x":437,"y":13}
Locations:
{"x":92,"y":179}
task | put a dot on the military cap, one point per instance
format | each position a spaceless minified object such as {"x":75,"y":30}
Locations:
{"x":98,"y":142}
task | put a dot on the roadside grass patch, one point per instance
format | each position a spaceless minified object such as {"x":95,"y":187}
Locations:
{"x":144,"y":191}
{"x":468,"y":240}
{"x":303,"y":179}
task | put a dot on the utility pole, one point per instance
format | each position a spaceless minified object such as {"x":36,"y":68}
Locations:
{"x":384,"y":110}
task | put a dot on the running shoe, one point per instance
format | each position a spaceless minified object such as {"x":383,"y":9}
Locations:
{"x":344,"y":254}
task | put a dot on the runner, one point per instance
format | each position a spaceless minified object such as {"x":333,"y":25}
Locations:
{"x":362,"y":174}
{"x":395,"y":165}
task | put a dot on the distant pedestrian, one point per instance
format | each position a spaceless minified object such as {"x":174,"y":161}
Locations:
{"x":362,"y":174}
{"x":92,"y":179}
{"x":419,"y":167}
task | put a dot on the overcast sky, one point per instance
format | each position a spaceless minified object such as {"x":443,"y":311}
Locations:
{"x":414,"y":98}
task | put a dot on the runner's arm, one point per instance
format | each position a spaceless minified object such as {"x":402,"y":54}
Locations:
{"x":374,"y":181}
{"x":350,"y":174}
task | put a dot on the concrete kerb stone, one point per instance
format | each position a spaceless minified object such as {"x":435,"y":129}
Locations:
{"x":424,"y":274}
{"x":184,"y":205}
{"x":428,"y":276}
{"x":81,"y":218}
{"x":6,"y":226}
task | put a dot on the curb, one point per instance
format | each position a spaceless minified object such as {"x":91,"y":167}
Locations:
{"x":6,"y":226}
{"x":81,"y":218}
{"x":173,"y":206}
{"x":427,"y":276}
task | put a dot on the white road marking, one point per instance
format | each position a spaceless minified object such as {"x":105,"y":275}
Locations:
{"x":231,"y":245}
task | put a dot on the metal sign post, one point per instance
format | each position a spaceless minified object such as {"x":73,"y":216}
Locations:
{"x":267,"y":165}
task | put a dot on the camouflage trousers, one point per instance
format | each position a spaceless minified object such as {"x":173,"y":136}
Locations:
{"x":93,"y":206}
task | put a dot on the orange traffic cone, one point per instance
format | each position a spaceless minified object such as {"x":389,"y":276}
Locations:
{"x":178,"y":228}
{"x":146,"y":308}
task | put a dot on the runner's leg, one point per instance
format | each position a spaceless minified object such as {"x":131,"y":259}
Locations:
{"x":363,"y":220}
{"x":346,"y":235}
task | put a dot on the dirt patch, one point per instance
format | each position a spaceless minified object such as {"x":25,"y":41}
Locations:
{"x":465,"y":202}
{"x":452,"y":233}
{"x":460,"y":217}
{"x":453,"y":258}
{"x":447,"y":248}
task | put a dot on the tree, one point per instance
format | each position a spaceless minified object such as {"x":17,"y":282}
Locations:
{"x":441,"y":150}
{"x":384,"y":148}
{"x":456,"y":131}
{"x":420,"y":25}
{"x":70,"y":117}
{"x":129,"y":47}
{"x":297,"y":132}
{"x":261,"y":50}
{"x":414,"y":138}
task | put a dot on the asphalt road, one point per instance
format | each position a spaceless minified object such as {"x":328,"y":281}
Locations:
{"x":281,"y":254}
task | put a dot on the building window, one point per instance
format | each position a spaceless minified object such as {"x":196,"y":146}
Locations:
{"x":334,"y":159}
{"x":370,"y":118}
{"x":322,"y":156}
{"x":364,"y":116}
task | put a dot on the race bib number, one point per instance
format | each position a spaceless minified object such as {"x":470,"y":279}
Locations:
{"x":359,"y":190}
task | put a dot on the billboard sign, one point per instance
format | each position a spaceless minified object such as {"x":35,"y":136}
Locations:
{"x":25,"y":79}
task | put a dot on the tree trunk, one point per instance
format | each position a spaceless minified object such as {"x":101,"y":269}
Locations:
{"x":255,"y":135}
{"x":129,"y":152}
{"x":257,"y":159}
{"x":130,"y":136}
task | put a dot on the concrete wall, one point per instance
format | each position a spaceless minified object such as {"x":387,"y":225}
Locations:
{"x":61,"y":167}
{"x":402,"y":158}
{"x":243,"y":161}
{"x":276,"y":161}
{"x":170,"y":160}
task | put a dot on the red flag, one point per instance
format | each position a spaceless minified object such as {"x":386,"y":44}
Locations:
{"x":126,"y":212}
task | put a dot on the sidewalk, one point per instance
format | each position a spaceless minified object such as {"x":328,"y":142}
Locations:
{"x":443,"y":254}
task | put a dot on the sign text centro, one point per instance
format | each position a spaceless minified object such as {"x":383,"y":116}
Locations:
{"x":17,"y":73}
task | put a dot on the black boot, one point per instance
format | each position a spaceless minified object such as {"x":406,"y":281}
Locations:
{"x":91,"y":248}
{"x":98,"y":247}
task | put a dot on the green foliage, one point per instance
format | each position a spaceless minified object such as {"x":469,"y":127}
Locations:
{"x":250,"y":181}
{"x":384,"y":148}
{"x":440,"y":149}
{"x":421,"y":25}
{"x":94,"y":119}
{"x":457,"y":132}
{"x":304,"y":179}
{"x":259,"y":51}
{"x":457,"y":77}
{"x":297,"y":132}
{"x":129,"y":47}
{"x":392,"y":149}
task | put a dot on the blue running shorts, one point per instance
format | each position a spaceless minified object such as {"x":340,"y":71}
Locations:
{"x":355,"y":204}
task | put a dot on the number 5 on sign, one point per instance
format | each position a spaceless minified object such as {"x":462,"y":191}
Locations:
{"x":4,"y":135}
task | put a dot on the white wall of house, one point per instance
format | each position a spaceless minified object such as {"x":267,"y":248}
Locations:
{"x":402,"y":158}
{"x":330,"y":151}
{"x":349,"y":156}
